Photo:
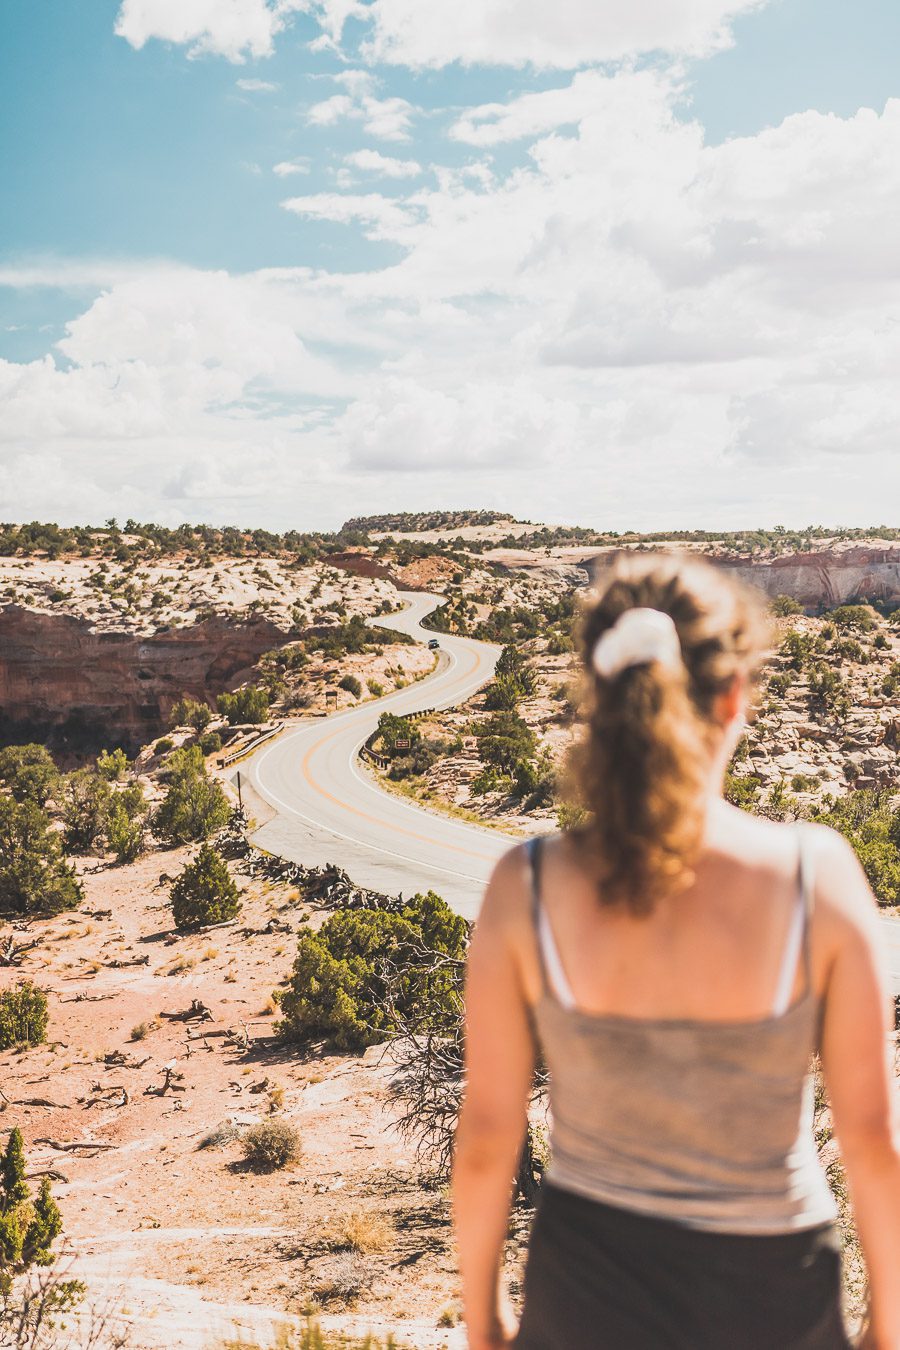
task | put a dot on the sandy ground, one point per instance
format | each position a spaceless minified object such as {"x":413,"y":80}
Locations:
{"x":188,"y":1236}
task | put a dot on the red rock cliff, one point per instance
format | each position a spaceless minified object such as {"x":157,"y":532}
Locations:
{"x":69,"y":684}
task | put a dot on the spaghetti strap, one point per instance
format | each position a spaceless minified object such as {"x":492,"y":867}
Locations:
{"x":552,"y":973}
{"x":807,"y":897}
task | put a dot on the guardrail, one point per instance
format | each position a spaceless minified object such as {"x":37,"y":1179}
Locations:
{"x":251,"y":745}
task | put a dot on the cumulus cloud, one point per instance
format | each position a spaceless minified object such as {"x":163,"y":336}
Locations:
{"x":257,"y":86}
{"x":389,"y":119}
{"x":234,"y":29}
{"x":382,"y":218}
{"x":628,"y":327}
{"x":568,"y":34}
{"x":288,"y":167}
{"x":373,"y":161}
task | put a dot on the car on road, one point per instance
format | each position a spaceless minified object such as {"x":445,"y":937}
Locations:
{"x":433,"y":644}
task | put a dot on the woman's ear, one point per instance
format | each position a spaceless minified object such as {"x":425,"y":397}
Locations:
{"x":731,"y":702}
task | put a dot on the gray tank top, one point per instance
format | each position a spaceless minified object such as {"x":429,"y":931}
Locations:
{"x":709,"y":1123}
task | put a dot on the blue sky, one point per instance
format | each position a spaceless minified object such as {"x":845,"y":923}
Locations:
{"x":138,"y":173}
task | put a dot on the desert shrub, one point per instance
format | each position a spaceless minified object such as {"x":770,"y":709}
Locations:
{"x":28,"y":1228}
{"x":871,"y":823}
{"x":348,"y":1276}
{"x":891,"y":683}
{"x":351,"y":684}
{"x":881,"y":642}
{"x":415,"y":761}
{"x":780,"y":682}
{"x":503,"y":740}
{"x":344,"y":989}
{"x":535,"y":781}
{"x":35,"y":877}
{"x":853,"y":616}
{"x":271,"y":1145}
{"x":204,"y":891}
{"x":827,"y":689}
{"x":23,"y":1015}
{"x":194,"y":806}
{"x":785,"y":605}
{"x":28,"y":771}
{"x":360,"y":1230}
{"x":112,"y":765}
{"x":392,"y":729}
{"x":249,"y":704}
{"x":221,"y":1135}
{"x":375,"y":688}
{"x":210,"y":742}
{"x":163,"y":745}
{"x":126,"y":823}
{"x":742,"y":790}
{"x":84,"y":798}
{"x":803,"y":782}
{"x":797,"y":648}
{"x":189,"y":712}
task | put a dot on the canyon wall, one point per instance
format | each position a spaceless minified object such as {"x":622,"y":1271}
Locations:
{"x":818,"y":580}
{"x":825,"y":578}
{"x":74,"y":687}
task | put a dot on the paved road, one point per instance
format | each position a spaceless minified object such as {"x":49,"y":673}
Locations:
{"x":331,"y":809}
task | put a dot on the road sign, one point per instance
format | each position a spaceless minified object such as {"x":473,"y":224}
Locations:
{"x":402,"y":742}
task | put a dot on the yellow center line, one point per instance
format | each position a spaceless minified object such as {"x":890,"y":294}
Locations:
{"x":379,"y":820}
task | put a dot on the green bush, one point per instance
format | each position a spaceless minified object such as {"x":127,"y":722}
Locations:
{"x":351,"y":684}
{"x":871,"y":823}
{"x":204,"y":892}
{"x":188,"y":712}
{"x":504,"y":740}
{"x":126,"y":823}
{"x":375,"y":688}
{"x":163,"y":745}
{"x":84,"y":798}
{"x":853,"y":616}
{"x":194,"y":806}
{"x":742,"y":790}
{"x":112,"y":766}
{"x":785,"y":605}
{"x":826,"y":688}
{"x":35,"y":877}
{"x":342,"y":976}
{"x":23,"y":1016}
{"x":28,"y":771}
{"x":28,"y":1228}
{"x":249,"y":704}
{"x":210,"y":742}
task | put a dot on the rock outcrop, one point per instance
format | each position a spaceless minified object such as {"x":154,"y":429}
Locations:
{"x":827,"y":577}
{"x":70,"y":685}
{"x":835,"y":575}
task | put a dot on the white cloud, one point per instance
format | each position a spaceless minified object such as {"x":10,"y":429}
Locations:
{"x":372,"y":161}
{"x":568,"y":34}
{"x":257,"y":86}
{"x":382,"y":218}
{"x":644,"y":329}
{"x":389,"y":119}
{"x":287,"y":167}
{"x":234,"y":29}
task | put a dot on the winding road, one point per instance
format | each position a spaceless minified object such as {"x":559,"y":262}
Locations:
{"x":330,"y":808}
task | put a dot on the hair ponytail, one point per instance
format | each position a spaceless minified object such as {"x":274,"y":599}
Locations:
{"x":640,"y":769}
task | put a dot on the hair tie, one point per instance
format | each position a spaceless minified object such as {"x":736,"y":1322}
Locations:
{"x":637,"y":637}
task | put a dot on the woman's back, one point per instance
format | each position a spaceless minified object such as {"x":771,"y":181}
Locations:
{"x":684,"y":1091}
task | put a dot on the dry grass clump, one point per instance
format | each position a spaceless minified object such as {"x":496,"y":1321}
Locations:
{"x":223,"y":1134}
{"x":271,"y":1145}
{"x":348,"y":1276}
{"x":312,"y":1337}
{"x":365,"y":1231}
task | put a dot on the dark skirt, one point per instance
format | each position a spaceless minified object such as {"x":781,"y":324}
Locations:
{"x":602,"y":1278}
